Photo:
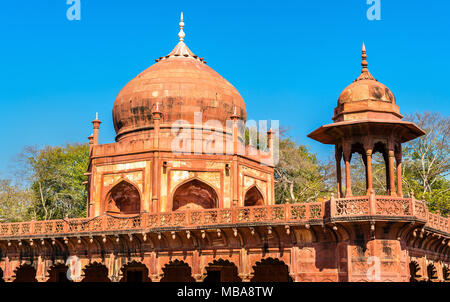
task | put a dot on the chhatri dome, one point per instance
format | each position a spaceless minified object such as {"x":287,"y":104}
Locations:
{"x":177,"y":85}
{"x":366,"y":98}
{"x":366,"y":107}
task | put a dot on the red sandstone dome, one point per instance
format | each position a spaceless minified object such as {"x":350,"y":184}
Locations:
{"x":366,"y":98}
{"x":364,"y":104}
{"x":178,"y":85}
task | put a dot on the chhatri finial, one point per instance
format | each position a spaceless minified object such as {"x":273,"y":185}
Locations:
{"x":364,"y":57}
{"x":96,"y":115}
{"x":365,"y":73}
{"x":181,"y":34}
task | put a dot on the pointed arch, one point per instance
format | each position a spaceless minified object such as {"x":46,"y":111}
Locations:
{"x":253,"y":197}
{"x":194,"y":194}
{"x":123,"y":198}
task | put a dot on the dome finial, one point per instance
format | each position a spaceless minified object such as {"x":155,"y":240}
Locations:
{"x":181,"y":34}
{"x":364,"y":63}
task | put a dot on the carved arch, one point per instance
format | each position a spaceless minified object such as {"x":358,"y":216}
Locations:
{"x":177,"y":271}
{"x":134,"y":272}
{"x":271,"y":270}
{"x":253,"y":197}
{"x":194,"y":194}
{"x":25,"y":273}
{"x":123,"y":198}
{"x":222,"y":271}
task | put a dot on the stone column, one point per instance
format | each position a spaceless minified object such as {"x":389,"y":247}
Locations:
{"x":41,"y":270}
{"x":348,"y":181}
{"x":338,"y":157}
{"x":391,"y":174}
{"x":398,"y":159}
{"x":369,"y":170}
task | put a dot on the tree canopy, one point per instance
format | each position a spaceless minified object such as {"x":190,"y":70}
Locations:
{"x":55,"y":176}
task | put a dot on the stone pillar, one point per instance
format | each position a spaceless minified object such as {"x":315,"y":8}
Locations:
{"x":391,"y":173}
{"x":9,"y":268}
{"x":338,"y":157}
{"x":348,"y":181}
{"x":398,"y":159}
{"x":41,"y":270}
{"x":244,"y":268}
{"x":369,"y":170}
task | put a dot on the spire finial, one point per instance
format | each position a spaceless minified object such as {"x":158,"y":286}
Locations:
{"x":96,"y":115}
{"x":181,"y":34}
{"x":364,"y":57}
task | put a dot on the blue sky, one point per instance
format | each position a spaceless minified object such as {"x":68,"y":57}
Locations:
{"x":289,"y":59}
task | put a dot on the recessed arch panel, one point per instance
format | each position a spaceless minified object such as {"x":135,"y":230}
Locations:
{"x":194,"y":194}
{"x":253,"y":197}
{"x":123,"y":198}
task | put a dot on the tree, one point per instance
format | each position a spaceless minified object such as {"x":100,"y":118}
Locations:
{"x":427,"y":161}
{"x":299,"y":176}
{"x":55,"y":176}
{"x":14,"y":202}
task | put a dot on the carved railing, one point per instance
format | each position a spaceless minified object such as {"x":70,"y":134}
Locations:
{"x":393,"y":206}
{"x":183,"y":219}
{"x":336,"y":208}
{"x":353,"y":206}
{"x":387,"y":206}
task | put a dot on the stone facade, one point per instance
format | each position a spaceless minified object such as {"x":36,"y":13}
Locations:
{"x":159,"y":211}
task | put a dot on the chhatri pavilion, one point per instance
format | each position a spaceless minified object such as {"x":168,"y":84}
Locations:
{"x":180,"y":196}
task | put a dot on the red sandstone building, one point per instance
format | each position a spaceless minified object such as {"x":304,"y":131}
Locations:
{"x":194,"y":203}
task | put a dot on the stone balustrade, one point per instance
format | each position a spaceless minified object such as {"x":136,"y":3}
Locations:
{"x":336,"y":209}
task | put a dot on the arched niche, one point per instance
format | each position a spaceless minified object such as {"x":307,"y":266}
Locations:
{"x":58,"y":273}
{"x":432,"y":272}
{"x":414,"y":271}
{"x":253,"y":197}
{"x":271,"y":270}
{"x":177,"y":271}
{"x":194,"y":194}
{"x":25,"y":273}
{"x":95,"y":272}
{"x":134,"y":272}
{"x":222,"y":271}
{"x":123,"y":198}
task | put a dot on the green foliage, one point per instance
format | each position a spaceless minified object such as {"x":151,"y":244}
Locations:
{"x":427,"y":162}
{"x":299,"y":176}
{"x":358,"y":175}
{"x":14,"y":202}
{"x":56,"y":180}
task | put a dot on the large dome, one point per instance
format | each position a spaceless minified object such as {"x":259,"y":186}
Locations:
{"x":180,"y":84}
